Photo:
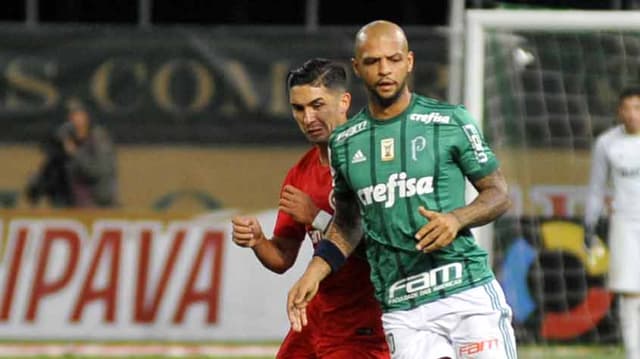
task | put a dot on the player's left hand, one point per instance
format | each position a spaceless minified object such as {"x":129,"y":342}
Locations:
{"x":297,"y":300}
{"x":297,"y":204}
{"x":438,"y":233}
{"x":304,"y":290}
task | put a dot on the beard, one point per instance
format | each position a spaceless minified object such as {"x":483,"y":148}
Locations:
{"x":385,"y":102}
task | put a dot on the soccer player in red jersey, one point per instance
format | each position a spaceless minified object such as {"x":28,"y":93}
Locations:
{"x":344,"y":317}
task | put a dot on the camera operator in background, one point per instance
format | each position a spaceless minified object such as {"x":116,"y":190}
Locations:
{"x":79,"y":169}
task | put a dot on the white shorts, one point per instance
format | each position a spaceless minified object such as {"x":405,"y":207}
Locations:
{"x":624,"y":254}
{"x":475,"y":324}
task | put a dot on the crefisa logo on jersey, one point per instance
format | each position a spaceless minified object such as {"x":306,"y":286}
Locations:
{"x":386,"y":192}
{"x":434,"y":117}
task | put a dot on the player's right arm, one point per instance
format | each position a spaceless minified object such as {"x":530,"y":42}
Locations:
{"x":597,"y":188}
{"x":277,"y":254}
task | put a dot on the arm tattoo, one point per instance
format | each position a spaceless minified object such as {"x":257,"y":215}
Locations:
{"x":492,"y":201}
{"x":345,"y":231}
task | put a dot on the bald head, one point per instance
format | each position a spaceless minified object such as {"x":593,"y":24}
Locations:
{"x":383,"y":61}
{"x":380,"y":30}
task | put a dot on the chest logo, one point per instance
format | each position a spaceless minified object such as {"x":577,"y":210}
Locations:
{"x":399,"y":185}
{"x":433,"y":117}
{"x":386,"y":149}
{"x":418,"y":144}
{"x":358,"y":157}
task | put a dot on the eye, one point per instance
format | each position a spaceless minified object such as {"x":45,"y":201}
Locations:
{"x":297,"y":108}
{"x":369,"y":61}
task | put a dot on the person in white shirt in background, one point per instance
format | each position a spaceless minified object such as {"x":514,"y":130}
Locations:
{"x":616,"y":162}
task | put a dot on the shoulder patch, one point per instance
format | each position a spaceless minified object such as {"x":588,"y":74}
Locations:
{"x":358,"y":127}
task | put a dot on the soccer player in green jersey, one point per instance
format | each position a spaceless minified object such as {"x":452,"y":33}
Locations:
{"x":399,"y":168}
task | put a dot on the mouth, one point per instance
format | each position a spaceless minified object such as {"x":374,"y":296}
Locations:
{"x":315,"y":131}
{"x":386,"y":85}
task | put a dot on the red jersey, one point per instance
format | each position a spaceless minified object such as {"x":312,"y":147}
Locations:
{"x":345,"y":310}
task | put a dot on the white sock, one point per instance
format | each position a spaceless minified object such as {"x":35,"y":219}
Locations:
{"x":630,"y":325}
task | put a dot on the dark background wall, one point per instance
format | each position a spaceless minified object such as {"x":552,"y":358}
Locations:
{"x":283,"y":12}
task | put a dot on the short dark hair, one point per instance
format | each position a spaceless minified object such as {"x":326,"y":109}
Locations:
{"x":629,"y":91}
{"x":319,"y":72}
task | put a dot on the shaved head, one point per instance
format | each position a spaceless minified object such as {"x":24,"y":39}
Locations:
{"x":380,"y":29}
{"x":383,"y":61}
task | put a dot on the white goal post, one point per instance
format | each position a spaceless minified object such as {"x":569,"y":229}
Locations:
{"x":478,"y":22}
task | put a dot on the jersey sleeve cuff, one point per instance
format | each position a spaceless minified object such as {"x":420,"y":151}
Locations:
{"x":321,"y":221}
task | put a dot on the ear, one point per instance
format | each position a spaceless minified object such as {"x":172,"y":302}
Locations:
{"x":345,"y":103}
{"x":354,"y":65}
{"x":410,"y":61}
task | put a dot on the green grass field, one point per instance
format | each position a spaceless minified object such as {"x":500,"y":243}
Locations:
{"x":570,"y":352}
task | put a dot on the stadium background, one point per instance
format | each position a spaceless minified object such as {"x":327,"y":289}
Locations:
{"x":194,"y":97}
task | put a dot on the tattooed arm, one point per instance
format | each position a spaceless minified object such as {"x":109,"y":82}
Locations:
{"x":492,"y":201}
{"x":345,"y":231}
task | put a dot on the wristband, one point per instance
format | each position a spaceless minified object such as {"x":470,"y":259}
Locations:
{"x":321,"y":221}
{"x":330,"y":253}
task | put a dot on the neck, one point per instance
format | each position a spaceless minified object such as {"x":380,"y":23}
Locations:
{"x":324,"y":153}
{"x":631,"y":131}
{"x":380,"y":112}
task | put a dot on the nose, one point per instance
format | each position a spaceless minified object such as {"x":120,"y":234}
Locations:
{"x":308,"y":116}
{"x":383,"y":67}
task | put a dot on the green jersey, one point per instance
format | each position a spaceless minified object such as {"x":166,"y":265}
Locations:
{"x":418,"y":158}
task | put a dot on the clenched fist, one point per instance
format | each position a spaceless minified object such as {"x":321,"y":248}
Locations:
{"x":247,"y":231}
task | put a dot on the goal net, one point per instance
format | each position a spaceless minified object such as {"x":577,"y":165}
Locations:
{"x":543,"y":84}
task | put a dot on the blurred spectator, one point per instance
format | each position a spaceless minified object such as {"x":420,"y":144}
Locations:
{"x":79,"y":168}
{"x":51,"y":182}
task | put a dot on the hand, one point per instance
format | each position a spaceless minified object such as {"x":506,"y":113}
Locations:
{"x":298,"y":298}
{"x":438,"y":233}
{"x":69,"y":146}
{"x":594,"y":248}
{"x":298,"y":205}
{"x":247,"y":231}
